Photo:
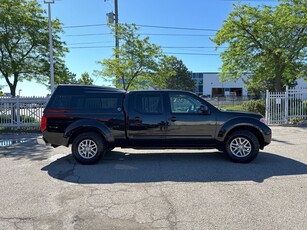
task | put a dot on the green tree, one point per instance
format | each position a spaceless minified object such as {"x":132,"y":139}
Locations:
{"x":269,"y":42}
{"x":175,"y":75}
{"x":24,"y":43}
{"x":85,"y":79}
{"x":64,"y":76}
{"x":134,"y":63}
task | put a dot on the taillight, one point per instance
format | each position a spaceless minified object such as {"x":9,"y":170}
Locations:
{"x":43,"y":123}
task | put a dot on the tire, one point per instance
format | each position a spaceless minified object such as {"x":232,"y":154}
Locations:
{"x":110,"y":148}
{"x":242,"y":146}
{"x":88,"y":148}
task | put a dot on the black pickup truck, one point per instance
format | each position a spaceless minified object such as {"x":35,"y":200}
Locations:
{"x":94,"y":120}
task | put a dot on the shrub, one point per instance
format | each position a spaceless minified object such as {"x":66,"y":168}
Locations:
{"x":305,"y":105}
{"x":4,"y":117}
{"x":296,"y":120}
{"x":27,"y":119}
{"x":255,"y":106}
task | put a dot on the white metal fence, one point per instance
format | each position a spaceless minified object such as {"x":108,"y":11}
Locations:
{"x":282,"y":107}
{"x":21,"y":111}
{"x":230,"y":100}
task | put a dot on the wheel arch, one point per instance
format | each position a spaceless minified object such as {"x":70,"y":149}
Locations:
{"x":82,"y":126}
{"x":243,"y":124}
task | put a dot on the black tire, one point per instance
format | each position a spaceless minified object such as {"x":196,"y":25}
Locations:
{"x":242,"y":146}
{"x":110,"y":148}
{"x":88,"y":148}
{"x":221,"y":148}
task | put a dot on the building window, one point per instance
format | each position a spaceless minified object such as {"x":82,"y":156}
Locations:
{"x":218,"y":92}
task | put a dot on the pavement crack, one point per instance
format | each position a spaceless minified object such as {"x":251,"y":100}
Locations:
{"x":16,"y":218}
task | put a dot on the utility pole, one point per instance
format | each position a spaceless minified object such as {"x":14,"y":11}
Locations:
{"x":113,"y":18}
{"x":116,"y":25}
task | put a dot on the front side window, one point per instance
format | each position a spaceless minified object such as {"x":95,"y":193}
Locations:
{"x":185,"y":103}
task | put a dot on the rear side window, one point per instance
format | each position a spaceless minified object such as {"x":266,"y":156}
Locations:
{"x":148,"y":103}
{"x":104,"y":102}
{"x":60,"y":102}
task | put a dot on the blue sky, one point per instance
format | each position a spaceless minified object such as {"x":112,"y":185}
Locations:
{"x":181,"y":28}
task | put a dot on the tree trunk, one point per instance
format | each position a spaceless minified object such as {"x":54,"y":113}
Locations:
{"x":278,"y":84}
{"x":278,"y":73}
{"x":13,"y":90}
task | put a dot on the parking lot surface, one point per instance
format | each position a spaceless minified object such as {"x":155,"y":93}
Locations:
{"x":44,"y":188}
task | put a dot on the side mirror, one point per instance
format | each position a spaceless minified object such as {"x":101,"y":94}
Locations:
{"x":204,"y":109}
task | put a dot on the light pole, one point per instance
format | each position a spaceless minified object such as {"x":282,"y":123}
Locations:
{"x":49,"y":2}
{"x":19,"y":92}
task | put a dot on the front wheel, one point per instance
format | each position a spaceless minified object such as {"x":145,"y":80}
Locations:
{"x":88,"y":148}
{"x":242,"y":146}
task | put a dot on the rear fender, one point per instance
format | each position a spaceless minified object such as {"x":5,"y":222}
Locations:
{"x":88,"y":125}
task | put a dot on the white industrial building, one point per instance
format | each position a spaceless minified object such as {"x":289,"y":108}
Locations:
{"x":209,"y":84}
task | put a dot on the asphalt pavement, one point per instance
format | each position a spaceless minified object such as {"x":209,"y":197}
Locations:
{"x":45,"y":188}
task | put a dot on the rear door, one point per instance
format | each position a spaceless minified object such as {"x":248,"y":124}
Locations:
{"x":146,"y":119}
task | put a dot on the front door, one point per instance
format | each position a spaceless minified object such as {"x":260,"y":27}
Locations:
{"x":190,"y":121}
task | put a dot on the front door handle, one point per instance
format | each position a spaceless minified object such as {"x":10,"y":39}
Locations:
{"x":173,"y":119}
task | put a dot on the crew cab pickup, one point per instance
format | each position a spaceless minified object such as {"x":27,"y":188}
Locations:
{"x":94,"y":120}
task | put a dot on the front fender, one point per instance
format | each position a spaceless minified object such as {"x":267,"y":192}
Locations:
{"x":241,"y":122}
{"x":89,"y":125}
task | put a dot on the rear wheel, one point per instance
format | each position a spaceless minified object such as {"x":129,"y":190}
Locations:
{"x":88,"y":148}
{"x":110,"y":148}
{"x":242,"y":146}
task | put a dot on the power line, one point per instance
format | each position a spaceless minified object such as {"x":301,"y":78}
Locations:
{"x":249,"y":0}
{"x":89,"y":47}
{"x":145,"y":34}
{"x":180,"y":53}
{"x":184,"y":35}
{"x":88,"y":43}
{"x":164,"y":47}
{"x":81,"y":26}
{"x":200,"y":54}
{"x":81,"y":35}
{"x":176,"y":28}
{"x":148,"y":26}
